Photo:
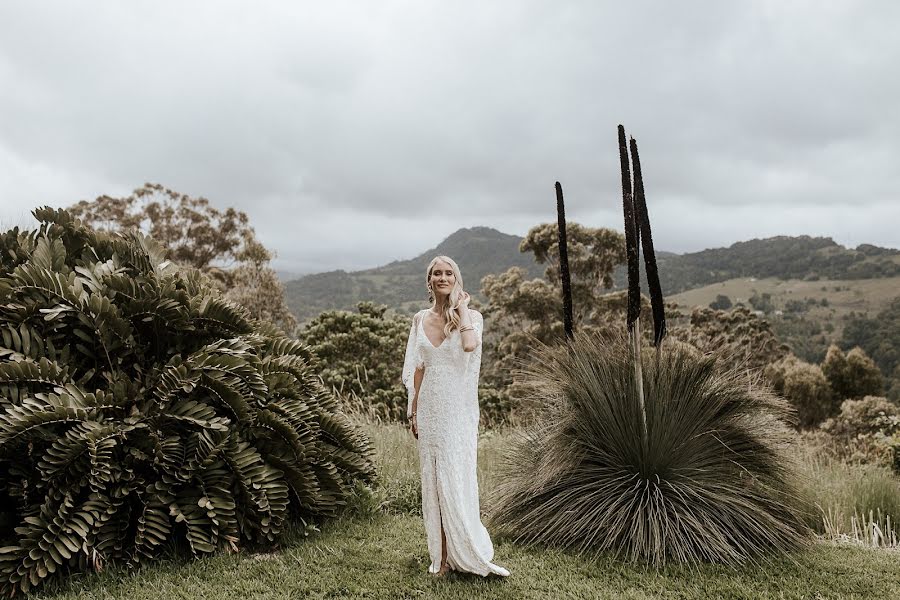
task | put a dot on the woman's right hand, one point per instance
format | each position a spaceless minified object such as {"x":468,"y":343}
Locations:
{"x":464,"y":299}
{"x":414,"y":427}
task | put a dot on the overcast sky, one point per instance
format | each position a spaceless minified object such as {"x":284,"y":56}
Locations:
{"x":355,"y":133}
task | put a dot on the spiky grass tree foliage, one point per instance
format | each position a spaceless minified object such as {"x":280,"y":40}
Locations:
{"x":712,"y":483}
{"x":138,"y":407}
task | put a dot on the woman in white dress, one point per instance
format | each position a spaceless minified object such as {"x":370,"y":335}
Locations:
{"x":443,"y":360}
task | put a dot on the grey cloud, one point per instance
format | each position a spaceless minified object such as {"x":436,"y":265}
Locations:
{"x":423,"y":117}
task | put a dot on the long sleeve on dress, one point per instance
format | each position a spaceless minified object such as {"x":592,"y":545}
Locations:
{"x":473,"y":368}
{"x":411,"y":362}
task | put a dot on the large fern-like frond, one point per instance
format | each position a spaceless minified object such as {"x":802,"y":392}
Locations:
{"x":48,"y":541}
{"x":195,"y":414}
{"x":24,"y":378}
{"x":50,"y":254}
{"x":28,"y":279}
{"x":31,"y":418}
{"x":263,"y":489}
{"x":154,"y":526}
{"x":22,"y":340}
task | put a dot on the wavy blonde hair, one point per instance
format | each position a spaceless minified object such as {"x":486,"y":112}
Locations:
{"x":451,"y":317}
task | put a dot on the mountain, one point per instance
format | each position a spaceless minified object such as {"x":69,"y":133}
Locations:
{"x":783,"y":257}
{"x":285,"y":276}
{"x":479,"y":251}
{"x":482,"y":250}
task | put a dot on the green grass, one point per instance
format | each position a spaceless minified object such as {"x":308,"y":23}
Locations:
{"x":856,"y":502}
{"x":384,"y":556}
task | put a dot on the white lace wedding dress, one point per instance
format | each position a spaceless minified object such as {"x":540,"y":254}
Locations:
{"x":447,"y":417}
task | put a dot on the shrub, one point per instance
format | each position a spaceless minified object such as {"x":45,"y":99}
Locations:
{"x":879,"y":336}
{"x":722,"y":302}
{"x":853,"y":375}
{"x":139,"y":407}
{"x":763,"y":303}
{"x":498,"y":407}
{"x":804,"y":385}
{"x":742,"y":337}
{"x":867,"y":416}
{"x":866,"y":431}
{"x":709,"y":483}
{"x":865,"y":376}
{"x":836,"y":371}
{"x":795,"y":306}
{"x":363,"y":354}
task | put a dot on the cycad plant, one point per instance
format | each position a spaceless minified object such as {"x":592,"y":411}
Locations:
{"x":138,"y":407}
{"x":712,"y":482}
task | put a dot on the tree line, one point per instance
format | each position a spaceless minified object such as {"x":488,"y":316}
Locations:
{"x":360,"y":349}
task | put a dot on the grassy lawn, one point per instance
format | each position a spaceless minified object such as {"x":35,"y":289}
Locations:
{"x":381,"y":554}
{"x":385,"y":557}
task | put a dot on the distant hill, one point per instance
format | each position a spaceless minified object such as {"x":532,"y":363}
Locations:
{"x":289,"y":275}
{"x":479,"y":251}
{"x":482,"y":250}
{"x":807,"y":315}
{"x":803,"y":257}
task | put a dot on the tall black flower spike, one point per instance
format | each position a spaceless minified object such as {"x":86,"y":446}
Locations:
{"x":631,"y":235}
{"x":564,"y":262}
{"x":633,"y":321}
{"x":646,"y":238}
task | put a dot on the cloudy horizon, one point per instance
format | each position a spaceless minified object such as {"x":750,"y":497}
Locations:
{"x":355,"y":133}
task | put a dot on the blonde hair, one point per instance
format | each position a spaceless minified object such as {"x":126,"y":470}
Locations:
{"x":450,"y":316}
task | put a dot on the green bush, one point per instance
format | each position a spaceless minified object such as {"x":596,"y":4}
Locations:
{"x":867,"y":416}
{"x":879,"y":337}
{"x":363,"y":355}
{"x":710,"y":482}
{"x":853,"y":375}
{"x":866,"y":431}
{"x":763,"y":303}
{"x":804,"y":385}
{"x":722,"y":302}
{"x":746,"y":340}
{"x":138,"y":407}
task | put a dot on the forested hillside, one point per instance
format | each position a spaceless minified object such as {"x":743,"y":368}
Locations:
{"x":479,"y":251}
{"x":806,"y":315}
{"x":783,"y":257}
{"x":482,"y":250}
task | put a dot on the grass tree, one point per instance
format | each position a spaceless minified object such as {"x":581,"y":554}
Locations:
{"x":712,"y":482}
{"x":139,"y":408}
{"x":666,"y":455}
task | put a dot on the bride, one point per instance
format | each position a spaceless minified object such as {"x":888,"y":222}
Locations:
{"x":443,"y":359}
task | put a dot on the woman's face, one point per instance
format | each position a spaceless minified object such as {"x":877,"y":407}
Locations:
{"x":442,"y":278}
